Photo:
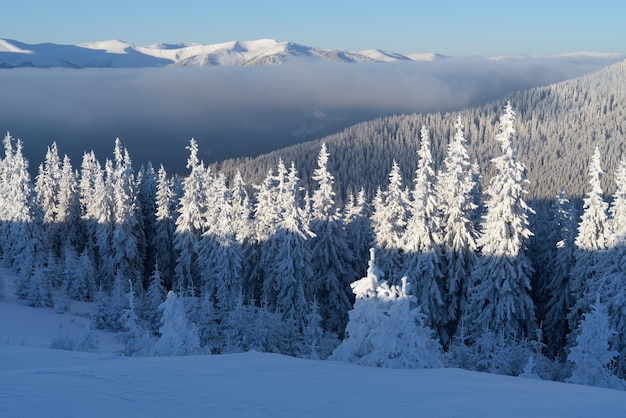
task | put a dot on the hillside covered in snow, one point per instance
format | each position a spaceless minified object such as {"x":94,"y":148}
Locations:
{"x":38,"y":381}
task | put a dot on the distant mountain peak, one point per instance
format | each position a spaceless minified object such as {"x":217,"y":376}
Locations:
{"x":7,"y":45}
{"x":113,"y":46}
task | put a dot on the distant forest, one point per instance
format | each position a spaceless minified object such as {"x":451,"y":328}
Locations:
{"x":559,"y":126}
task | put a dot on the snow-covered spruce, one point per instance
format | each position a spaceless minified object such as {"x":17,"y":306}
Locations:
{"x":592,"y":355}
{"x":499,"y":298}
{"x":386,"y":328}
{"x":179,"y":337}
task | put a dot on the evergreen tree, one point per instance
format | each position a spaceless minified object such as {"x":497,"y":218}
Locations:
{"x":243,"y":227}
{"x":332,"y":257}
{"x":104,"y":224}
{"x":592,"y":355}
{"x":389,"y":224}
{"x":266,"y":210}
{"x":313,"y":332}
{"x":68,"y":216}
{"x":154,"y":298}
{"x":219,"y":255}
{"x":47,"y":191}
{"x":618,"y":208}
{"x":190,"y":222}
{"x":591,"y":242}
{"x":357,"y":220}
{"x":21,"y":236}
{"x":386,"y":328}
{"x":90,"y":187}
{"x":610,"y":280}
{"x":128,"y":235}
{"x":557,"y":288}
{"x":162,"y":240}
{"x":135,"y":339}
{"x":205,"y":319}
{"x":179,"y":337}
{"x":117,"y":303}
{"x":100,"y":317}
{"x":39,"y":289}
{"x":83,"y":284}
{"x":500,"y":298}
{"x":241,"y":211}
{"x":286,"y":257}
{"x":147,"y":203}
{"x":422,"y":252}
{"x":456,"y":207}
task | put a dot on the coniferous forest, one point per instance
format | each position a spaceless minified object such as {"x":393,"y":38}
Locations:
{"x":441,"y":267}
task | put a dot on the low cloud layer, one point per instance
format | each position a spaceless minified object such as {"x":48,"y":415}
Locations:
{"x":245,"y":111}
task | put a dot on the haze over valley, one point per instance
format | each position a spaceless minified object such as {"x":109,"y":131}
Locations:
{"x":237,"y":110}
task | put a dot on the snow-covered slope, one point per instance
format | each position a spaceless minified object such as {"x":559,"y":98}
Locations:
{"x":268,"y":385}
{"x":115,"y":53}
{"x":261,"y":52}
{"x":36,"y":381}
{"x":15,"y":54}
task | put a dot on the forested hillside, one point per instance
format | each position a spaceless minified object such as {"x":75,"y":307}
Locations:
{"x":559,"y":126}
{"x":437,"y":267}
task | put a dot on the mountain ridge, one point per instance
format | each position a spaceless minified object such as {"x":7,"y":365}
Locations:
{"x":260,"y":52}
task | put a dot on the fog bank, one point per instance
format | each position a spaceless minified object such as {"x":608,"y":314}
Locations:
{"x":245,"y":111}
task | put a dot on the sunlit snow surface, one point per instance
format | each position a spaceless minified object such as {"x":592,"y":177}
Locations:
{"x":36,"y":381}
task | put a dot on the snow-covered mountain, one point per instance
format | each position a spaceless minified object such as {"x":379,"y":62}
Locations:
{"x":261,"y":52}
{"x":115,"y":53}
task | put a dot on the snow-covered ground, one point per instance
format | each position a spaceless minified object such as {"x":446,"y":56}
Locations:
{"x":36,"y":381}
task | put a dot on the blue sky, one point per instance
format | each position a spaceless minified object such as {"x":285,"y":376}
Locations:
{"x":444,"y":26}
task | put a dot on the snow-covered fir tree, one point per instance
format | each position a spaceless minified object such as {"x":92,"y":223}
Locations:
{"x":313,"y":332}
{"x":592,"y":355}
{"x":458,"y":231}
{"x":358,"y":224}
{"x":386,"y":328}
{"x":610,"y":282}
{"x":205,"y":318}
{"x":422,"y":251}
{"x":104,"y":223}
{"x":128,"y":232}
{"x":190,"y":223}
{"x":499,"y":299}
{"x":331,"y":255}
{"x":557,"y":289}
{"x":163,"y":239}
{"x":218,"y":252}
{"x":135,"y":339}
{"x":21,"y":236}
{"x":389,"y":223}
{"x":245,"y":235}
{"x":147,"y":210}
{"x":617,"y":209}
{"x":286,"y":257}
{"x":47,"y":196}
{"x":155,"y":296}
{"x":90,"y":183}
{"x":68,"y":216}
{"x":179,"y":337}
{"x":40,"y":289}
{"x":591,"y":242}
